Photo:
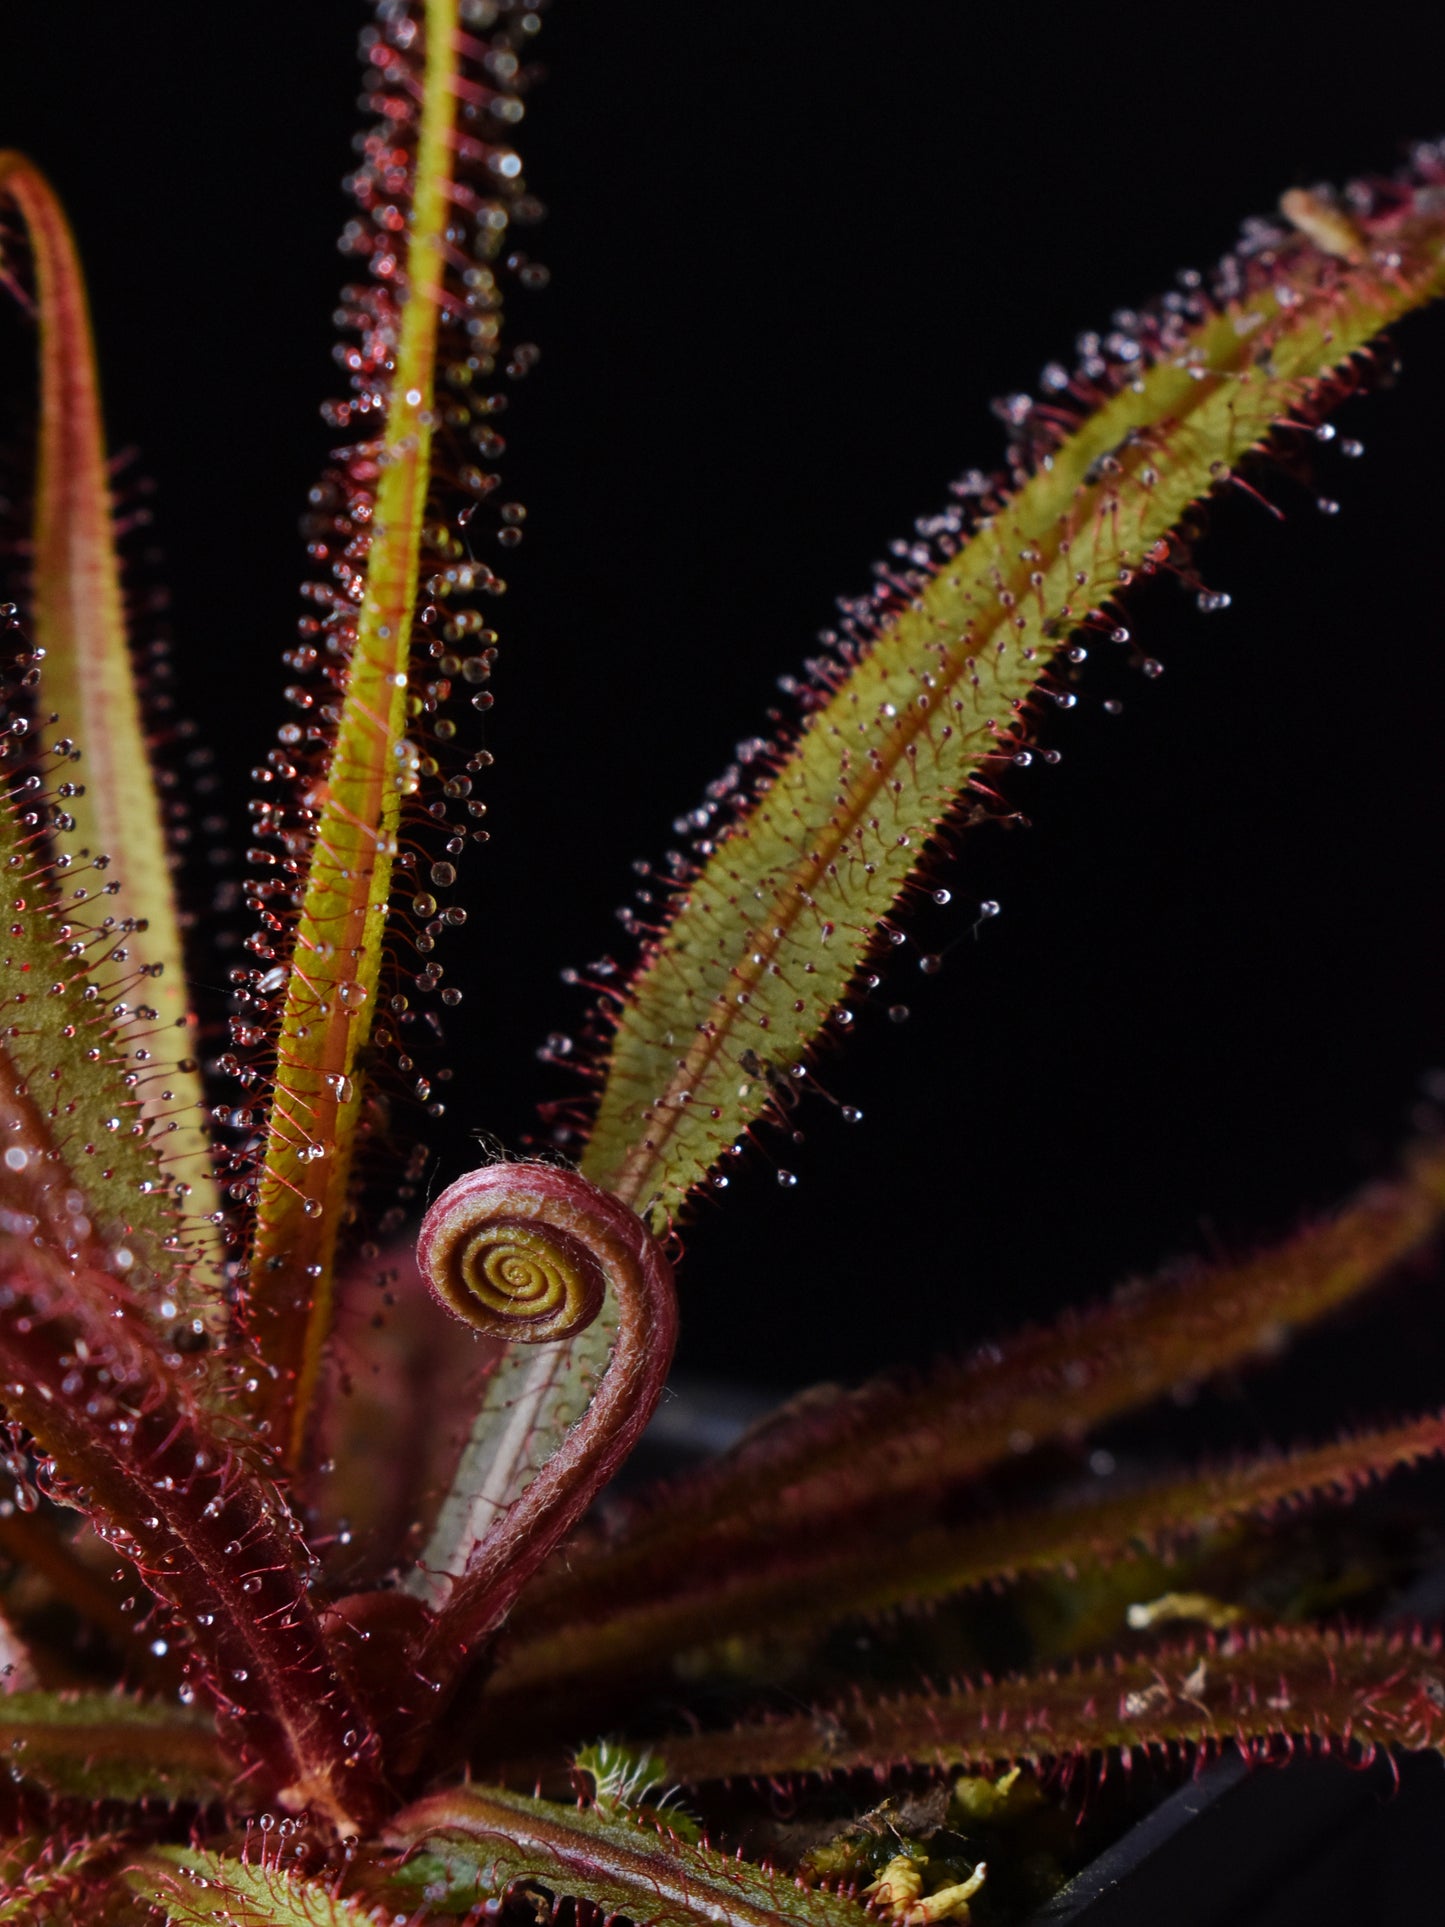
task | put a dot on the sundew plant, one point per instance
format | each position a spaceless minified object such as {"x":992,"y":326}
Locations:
{"x":308,"y":1612}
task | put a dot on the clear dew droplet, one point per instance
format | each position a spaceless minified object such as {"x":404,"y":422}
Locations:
{"x":852,"y":1114}
{"x":788,"y":1180}
{"x":1210,"y":601}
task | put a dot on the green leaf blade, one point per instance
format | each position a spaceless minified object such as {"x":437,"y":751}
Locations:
{"x":88,"y":681}
{"x":763,"y":950}
{"x":102,"y":1746}
{"x":336,"y":961}
{"x":193,"y":1888}
{"x":74,"y":1123}
{"x":485,"y":1840}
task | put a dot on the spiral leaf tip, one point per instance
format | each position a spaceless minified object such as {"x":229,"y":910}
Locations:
{"x":526,"y":1251}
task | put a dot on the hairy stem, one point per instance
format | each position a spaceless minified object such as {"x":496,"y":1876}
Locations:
{"x":101,"y":1746}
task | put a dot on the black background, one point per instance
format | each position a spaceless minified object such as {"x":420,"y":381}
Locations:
{"x":795,"y":251}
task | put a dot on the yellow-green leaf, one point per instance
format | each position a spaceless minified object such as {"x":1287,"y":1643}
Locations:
{"x":765,"y":946}
{"x":102,"y":1746}
{"x":193,"y":1888}
{"x":336,"y":960}
{"x":77,"y":619}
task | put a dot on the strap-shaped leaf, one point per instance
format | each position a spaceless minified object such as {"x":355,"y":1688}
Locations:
{"x":874,"y":1460}
{"x":338,"y":940}
{"x":768,"y":938}
{"x":77,"y":616}
{"x":101,"y":1746}
{"x":481,"y":1841}
{"x":1336,"y":1690}
{"x":73,"y":1114}
{"x":852,"y":1569}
